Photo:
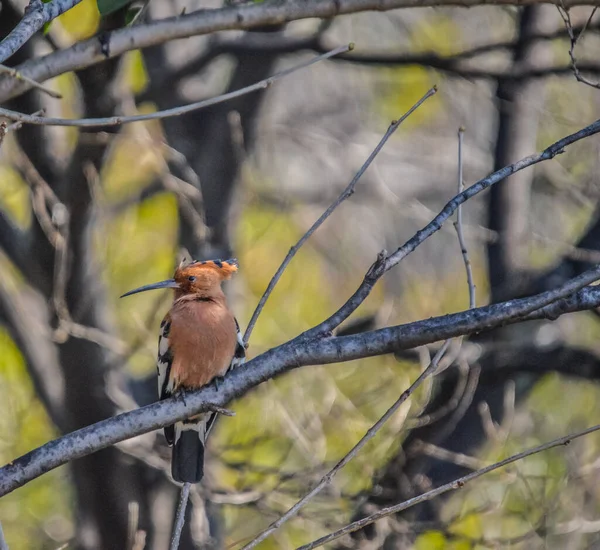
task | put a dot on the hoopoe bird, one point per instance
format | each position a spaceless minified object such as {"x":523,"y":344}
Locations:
{"x":199,"y":342}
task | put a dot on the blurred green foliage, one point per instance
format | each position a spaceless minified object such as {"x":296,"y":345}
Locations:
{"x":402,"y":87}
{"x":39,"y":514}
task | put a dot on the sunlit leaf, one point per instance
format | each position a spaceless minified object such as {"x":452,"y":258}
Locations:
{"x":81,"y":21}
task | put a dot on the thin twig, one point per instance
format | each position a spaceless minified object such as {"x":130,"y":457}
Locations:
{"x":458,"y":225}
{"x":422,"y":419}
{"x":43,"y":198}
{"x":451,"y":486}
{"x":346,"y":193}
{"x":3,"y":544}
{"x":385,"y":261}
{"x":53,"y":217}
{"x":16,"y":74}
{"x":326,"y":480}
{"x":566,"y":17}
{"x":187,"y":207}
{"x":183,"y":500}
{"x":133,"y":521}
{"x":371,"y":432}
{"x":3,"y":131}
{"x":140,"y":15}
{"x":5,"y":127}
{"x":221,"y":410}
{"x":460,"y":459}
{"x":176,"y":111}
{"x":18,"y":125}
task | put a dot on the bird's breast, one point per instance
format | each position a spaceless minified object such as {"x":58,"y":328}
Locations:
{"x":202,"y":340}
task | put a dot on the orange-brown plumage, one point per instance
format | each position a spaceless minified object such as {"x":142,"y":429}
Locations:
{"x":199,"y":342}
{"x":203,"y":338}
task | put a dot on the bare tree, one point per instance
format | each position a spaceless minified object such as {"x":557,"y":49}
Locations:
{"x":195,"y":135}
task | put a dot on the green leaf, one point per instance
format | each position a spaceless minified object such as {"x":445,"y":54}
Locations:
{"x":108,"y":6}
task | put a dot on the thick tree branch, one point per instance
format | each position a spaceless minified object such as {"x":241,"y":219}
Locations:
{"x":202,"y":22}
{"x":279,"y":43}
{"x":301,"y":351}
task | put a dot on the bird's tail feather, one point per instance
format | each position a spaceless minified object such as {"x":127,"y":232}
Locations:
{"x":187,"y":465}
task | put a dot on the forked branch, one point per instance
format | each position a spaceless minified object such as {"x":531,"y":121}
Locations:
{"x":451,"y":486}
{"x":386,"y":261}
{"x":346,"y":193}
{"x":293,"y":354}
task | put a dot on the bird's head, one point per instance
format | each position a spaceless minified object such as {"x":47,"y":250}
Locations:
{"x":195,"y":277}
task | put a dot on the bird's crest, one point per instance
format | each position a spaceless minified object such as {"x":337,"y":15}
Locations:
{"x":225,"y":268}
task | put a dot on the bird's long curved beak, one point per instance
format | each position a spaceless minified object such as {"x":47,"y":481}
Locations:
{"x":169,"y":283}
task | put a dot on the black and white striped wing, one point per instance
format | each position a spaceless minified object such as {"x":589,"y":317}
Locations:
{"x":163,"y":367}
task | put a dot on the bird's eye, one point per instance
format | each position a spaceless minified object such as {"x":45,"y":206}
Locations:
{"x":191,"y":278}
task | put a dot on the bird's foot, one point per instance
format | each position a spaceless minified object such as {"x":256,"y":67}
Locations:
{"x":217,"y":381}
{"x":181,"y":395}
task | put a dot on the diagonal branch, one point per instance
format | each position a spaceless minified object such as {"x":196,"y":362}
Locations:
{"x":37,"y":14}
{"x":346,"y":193}
{"x":566,"y":17}
{"x":370,"y":434}
{"x":430,"y":370}
{"x":13,"y":73}
{"x":385,"y":262}
{"x":298,"y":352}
{"x":176,"y":111}
{"x":451,"y":486}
